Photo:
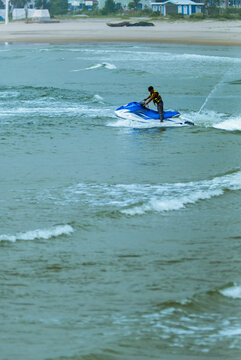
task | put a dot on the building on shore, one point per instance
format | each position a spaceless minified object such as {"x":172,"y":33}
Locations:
{"x":143,"y":4}
{"x":181,"y":7}
{"x":76,"y":5}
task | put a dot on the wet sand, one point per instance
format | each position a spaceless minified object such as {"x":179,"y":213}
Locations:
{"x":206,"y":32}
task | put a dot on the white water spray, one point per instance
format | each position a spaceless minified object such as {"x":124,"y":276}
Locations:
{"x":213,"y":91}
{"x":209,"y":96}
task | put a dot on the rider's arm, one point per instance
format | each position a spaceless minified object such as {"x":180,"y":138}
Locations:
{"x":150,"y":97}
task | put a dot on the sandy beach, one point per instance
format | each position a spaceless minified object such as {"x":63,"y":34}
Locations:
{"x":206,"y":32}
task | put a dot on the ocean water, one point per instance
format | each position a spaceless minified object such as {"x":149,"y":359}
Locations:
{"x":119,"y":240}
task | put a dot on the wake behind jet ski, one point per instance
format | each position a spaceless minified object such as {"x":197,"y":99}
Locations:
{"x":137,"y":112}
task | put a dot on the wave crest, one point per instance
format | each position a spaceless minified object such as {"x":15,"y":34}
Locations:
{"x":39,"y":234}
{"x":104,"y":65}
{"x":138,"y":199}
{"x":233,"y":124}
{"x":233,"y":292}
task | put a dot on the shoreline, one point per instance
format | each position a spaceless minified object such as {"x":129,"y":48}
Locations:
{"x":205,"y":32}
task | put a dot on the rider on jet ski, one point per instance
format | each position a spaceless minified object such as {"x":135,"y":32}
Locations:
{"x":157,"y":99}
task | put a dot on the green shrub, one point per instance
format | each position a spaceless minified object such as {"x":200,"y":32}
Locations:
{"x":197,"y":17}
{"x":58,"y":7}
{"x":156,"y":14}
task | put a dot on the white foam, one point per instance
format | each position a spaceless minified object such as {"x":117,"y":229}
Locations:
{"x":98,"y":99}
{"x":9,"y":94}
{"x":230,"y":332}
{"x":233,"y":292}
{"x":126,"y":123}
{"x":104,"y":65}
{"x":205,"y":118}
{"x":77,"y":70}
{"x":209,"y":58}
{"x":109,"y":66}
{"x":204,"y":330}
{"x":122,"y":54}
{"x":233,"y":124}
{"x":170,"y":204}
{"x":39,"y":234}
{"x":57,"y":110}
{"x":60,"y":49}
{"x":133,"y":122}
{"x":209,"y":118}
{"x":41,"y":111}
{"x":97,"y":66}
{"x":138,"y":199}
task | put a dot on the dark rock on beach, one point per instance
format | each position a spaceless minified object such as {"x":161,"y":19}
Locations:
{"x":127,"y":23}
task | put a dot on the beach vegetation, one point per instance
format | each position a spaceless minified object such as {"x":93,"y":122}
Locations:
{"x":156,"y":14}
{"x":2,"y":6}
{"x":18,"y":3}
{"x":234,"y":12}
{"x":98,"y":13}
{"x":220,"y":13}
{"x":116,"y":11}
{"x":109,"y":7}
{"x":175,"y":17}
{"x":57,"y":7}
{"x":142,"y":12}
{"x":197,"y":17}
{"x":133,"y":5}
{"x":41,"y":4}
{"x":113,"y":8}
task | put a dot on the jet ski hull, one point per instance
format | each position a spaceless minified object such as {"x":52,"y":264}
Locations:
{"x":136,"y":112}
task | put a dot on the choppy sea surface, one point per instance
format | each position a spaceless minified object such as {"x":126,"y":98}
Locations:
{"x":119,"y":240}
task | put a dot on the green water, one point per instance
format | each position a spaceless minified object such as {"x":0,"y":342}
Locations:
{"x":119,"y":240}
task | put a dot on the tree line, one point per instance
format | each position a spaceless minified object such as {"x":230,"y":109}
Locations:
{"x":55,"y":7}
{"x":60,"y":7}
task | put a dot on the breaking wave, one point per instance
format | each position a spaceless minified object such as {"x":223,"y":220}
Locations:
{"x":39,"y":234}
{"x":233,"y":291}
{"x":139,"y":199}
{"x":104,"y":65}
{"x":99,"y":99}
{"x":9,"y":94}
{"x":233,"y":124}
{"x":130,"y":55}
{"x":208,"y":58}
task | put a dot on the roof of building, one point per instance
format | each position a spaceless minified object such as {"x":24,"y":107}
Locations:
{"x":178,"y":2}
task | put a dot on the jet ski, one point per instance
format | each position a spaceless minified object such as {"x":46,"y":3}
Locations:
{"x":137,"y":112}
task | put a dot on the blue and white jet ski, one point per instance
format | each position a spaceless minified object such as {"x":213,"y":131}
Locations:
{"x":137,"y":112}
